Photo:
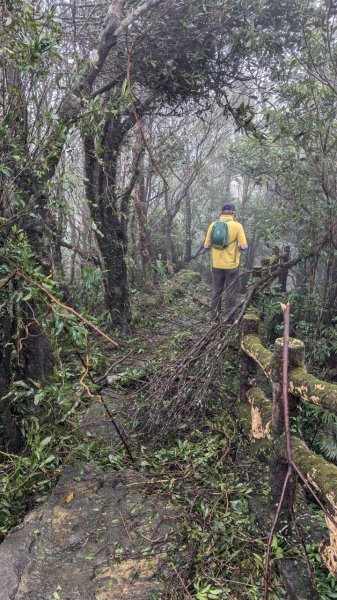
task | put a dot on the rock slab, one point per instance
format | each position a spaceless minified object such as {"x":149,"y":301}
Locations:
{"x":97,"y":538}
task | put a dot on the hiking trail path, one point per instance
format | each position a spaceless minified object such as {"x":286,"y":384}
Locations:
{"x":100,"y":535}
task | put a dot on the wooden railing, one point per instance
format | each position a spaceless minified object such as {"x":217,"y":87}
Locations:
{"x":263,"y":419}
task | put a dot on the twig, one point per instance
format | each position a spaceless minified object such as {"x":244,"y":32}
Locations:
{"x":8,"y":279}
{"x":51,"y":296}
{"x":117,"y":362}
{"x":106,"y":408}
{"x":182,"y":582}
{"x":125,"y":527}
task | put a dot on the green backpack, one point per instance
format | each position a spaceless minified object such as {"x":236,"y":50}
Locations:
{"x":219,"y":235}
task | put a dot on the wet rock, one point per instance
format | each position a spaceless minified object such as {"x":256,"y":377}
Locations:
{"x":97,"y":537}
{"x":296,"y":579}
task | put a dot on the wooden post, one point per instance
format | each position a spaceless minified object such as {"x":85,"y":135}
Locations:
{"x":250,"y":325}
{"x":265,"y":262}
{"x":257,"y":274}
{"x":282,"y":280}
{"x":278,"y":466}
{"x":275,"y":260}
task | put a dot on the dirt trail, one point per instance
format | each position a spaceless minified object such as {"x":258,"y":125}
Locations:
{"x":99,"y":536}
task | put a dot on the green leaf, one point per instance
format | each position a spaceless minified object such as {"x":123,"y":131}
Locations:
{"x":48,"y":460}
{"x":45,"y":441}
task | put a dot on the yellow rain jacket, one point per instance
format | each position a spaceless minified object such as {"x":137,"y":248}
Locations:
{"x":229,"y":257}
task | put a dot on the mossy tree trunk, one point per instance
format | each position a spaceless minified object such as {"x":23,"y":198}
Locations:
{"x":110,"y":212}
{"x":35,"y":354}
{"x":10,"y":438}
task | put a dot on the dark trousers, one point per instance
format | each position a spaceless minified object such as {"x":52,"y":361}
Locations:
{"x":224,"y":279}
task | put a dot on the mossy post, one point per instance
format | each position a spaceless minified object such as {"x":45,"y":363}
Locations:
{"x":323,"y":476}
{"x":265,"y":262}
{"x":257,"y":274}
{"x":274,"y":260}
{"x":250,"y":326}
{"x":282,"y":280}
{"x":256,"y":278}
{"x":278,"y":466}
{"x":261,"y":411}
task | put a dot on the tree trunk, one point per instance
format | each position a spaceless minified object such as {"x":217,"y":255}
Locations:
{"x":146,"y":248}
{"x":168,"y":236}
{"x":113,"y":248}
{"x":110,"y":211}
{"x":227,"y":185}
{"x":10,"y":438}
{"x":188,"y":227}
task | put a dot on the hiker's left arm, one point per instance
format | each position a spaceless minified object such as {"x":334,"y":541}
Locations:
{"x":242,"y":241}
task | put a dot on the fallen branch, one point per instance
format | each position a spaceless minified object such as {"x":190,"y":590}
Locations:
{"x":182,"y":389}
{"x":100,"y":398}
{"x":117,"y":362}
{"x":65,"y":307}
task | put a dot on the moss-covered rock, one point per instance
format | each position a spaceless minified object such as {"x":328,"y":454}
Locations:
{"x":187,"y":277}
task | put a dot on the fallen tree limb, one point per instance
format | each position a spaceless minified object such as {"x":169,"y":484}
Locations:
{"x":183,"y":387}
{"x":19,"y":273}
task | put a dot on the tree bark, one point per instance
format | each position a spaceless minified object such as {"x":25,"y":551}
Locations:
{"x":146,"y":248}
{"x":110,"y":211}
{"x":188,"y":227}
{"x":168,"y":236}
{"x":10,"y":438}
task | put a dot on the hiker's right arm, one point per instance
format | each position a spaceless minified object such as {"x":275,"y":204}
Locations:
{"x":207,"y":242}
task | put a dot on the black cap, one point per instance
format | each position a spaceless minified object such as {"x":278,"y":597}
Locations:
{"x":229,"y":206}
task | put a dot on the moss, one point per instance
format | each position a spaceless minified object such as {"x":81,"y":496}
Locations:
{"x":186,"y":276}
{"x":274,"y":259}
{"x":313,"y":390}
{"x":260,"y":400}
{"x":318,"y":471}
{"x":251,"y":344}
{"x":293,"y":343}
{"x":243,"y":412}
{"x":251,"y":316}
{"x":295,"y":352}
{"x":301,"y":383}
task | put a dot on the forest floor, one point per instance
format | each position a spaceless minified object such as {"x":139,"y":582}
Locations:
{"x":174,"y":523}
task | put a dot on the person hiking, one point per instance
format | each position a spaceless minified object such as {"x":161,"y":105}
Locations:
{"x":226,"y":239}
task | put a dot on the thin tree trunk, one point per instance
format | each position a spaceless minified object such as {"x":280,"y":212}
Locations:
{"x":145,"y":243}
{"x":168,"y":236}
{"x":188,"y":227}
